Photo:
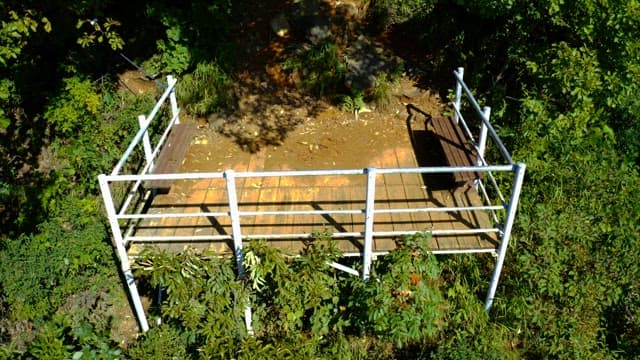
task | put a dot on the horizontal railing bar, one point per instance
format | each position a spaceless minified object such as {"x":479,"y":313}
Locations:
{"x":311,"y":212}
{"x":436,"y":232}
{"x":172,"y":215}
{"x":196,"y":238}
{"x":435,"y":252}
{"x":439,"y":209}
{"x":382,"y":253}
{"x":287,"y":173}
{"x":176,"y":238}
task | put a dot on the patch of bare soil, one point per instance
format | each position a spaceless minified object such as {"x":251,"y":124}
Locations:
{"x":298,"y":136}
{"x":300,"y":132}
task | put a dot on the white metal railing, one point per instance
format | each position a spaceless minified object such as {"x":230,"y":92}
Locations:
{"x":231,"y":193}
{"x":126,"y":215}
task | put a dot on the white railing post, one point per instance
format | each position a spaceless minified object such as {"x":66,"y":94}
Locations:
{"x":458,"y":99}
{"x":482,"y":139}
{"x":146,"y":143}
{"x":368,"y":223}
{"x":504,"y":243}
{"x":122,"y":253}
{"x":172,"y":98}
{"x":236,"y":230}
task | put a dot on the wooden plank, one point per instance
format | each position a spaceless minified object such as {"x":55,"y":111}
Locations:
{"x":456,"y":148}
{"x":171,"y":155}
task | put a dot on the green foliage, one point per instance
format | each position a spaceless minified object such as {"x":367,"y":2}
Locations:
{"x":570,"y":283}
{"x":65,"y":256}
{"x":7,"y":101}
{"x":302,"y":307}
{"x":391,"y":12}
{"x":321,"y":68}
{"x":60,"y":339}
{"x":99,"y":137}
{"x":402,"y":302}
{"x":15,"y":33}
{"x":174,"y":56}
{"x":75,"y":108}
{"x":194,"y":34}
{"x":203,"y":297}
{"x":352,"y":102}
{"x":295,"y":295}
{"x":381,"y":91}
{"x":204,"y":90}
{"x":162,"y":342}
{"x":100,"y":33}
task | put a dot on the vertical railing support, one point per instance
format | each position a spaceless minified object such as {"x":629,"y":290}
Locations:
{"x":504,"y":243}
{"x":122,"y":253}
{"x":172,"y":98}
{"x":236,"y":230}
{"x":482,"y":139}
{"x":146,"y":143}
{"x":368,"y":223}
{"x":458,"y":99}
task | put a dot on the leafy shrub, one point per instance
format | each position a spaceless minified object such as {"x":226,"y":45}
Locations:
{"x":59,"y":339}
{"x":204,"y":298}
{"x":391,"y":12}
{"x":67,"y":254}
{"x":295,"y":295}
{"x":162,"y":342}
{"x":352,"y":102}
{"x":204,"y":90}
{"x":402,"y":302}
{"x":302,"y":307}
{"x":321,"y":68}
{"x":76,"y":107}
{"x":174,"y":55}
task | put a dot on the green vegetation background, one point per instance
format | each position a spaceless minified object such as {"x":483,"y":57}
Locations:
{"x":563,"y":78}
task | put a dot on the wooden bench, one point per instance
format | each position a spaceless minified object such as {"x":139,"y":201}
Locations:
{"x":457,"y":149}
{"x":171,"y":155}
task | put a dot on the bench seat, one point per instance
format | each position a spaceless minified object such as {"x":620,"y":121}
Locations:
{"x":457,"y":149}
{"x":170,"y":158}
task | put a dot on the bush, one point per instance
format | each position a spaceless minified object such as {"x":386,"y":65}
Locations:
{"x":67,"y":254}
{"x":402,"y":302}
{"x":205,"y":90}
{"x":302,"y":307}
{"x":321,"y":68}
{"x":390,"y":12}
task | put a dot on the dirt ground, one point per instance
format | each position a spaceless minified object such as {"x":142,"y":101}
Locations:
{"x":326,"y":139}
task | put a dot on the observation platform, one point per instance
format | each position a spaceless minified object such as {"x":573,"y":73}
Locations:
{"x":343,"y":196}
{"x":390,"y":187}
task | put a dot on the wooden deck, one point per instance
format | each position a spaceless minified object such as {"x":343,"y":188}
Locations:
{"x":317,"y":193}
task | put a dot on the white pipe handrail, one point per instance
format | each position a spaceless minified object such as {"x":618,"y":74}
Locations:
{"x":336,"y":235}
{"x":285,"y":173}
{"x":486,"y":122}
{"x":143,"y":129}
{"x":312,"y":212}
